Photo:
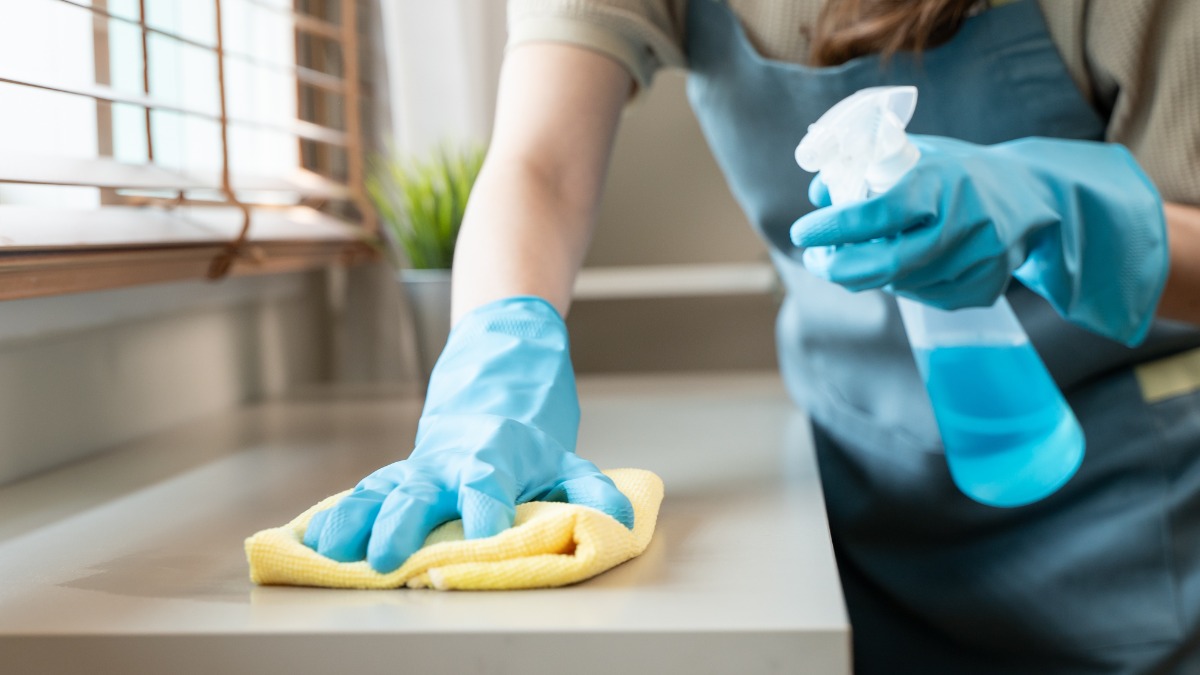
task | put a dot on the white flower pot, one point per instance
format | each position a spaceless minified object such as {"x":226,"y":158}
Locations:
{"x":428,"y":293}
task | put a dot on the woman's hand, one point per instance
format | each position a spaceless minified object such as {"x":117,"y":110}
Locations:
{"x":1077,"y":222}
{"x":498,"y":429}
{"x":501,"y":414}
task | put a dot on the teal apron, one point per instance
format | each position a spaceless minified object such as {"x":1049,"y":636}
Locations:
{"x":1103,"y":576}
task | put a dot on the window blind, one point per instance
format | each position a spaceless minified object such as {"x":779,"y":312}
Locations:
{"x":149,"y":140}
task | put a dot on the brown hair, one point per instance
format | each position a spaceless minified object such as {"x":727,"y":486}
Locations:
{"x":846,"y":29}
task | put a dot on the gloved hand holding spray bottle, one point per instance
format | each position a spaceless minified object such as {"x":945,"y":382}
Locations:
{"x":1010,"y":438}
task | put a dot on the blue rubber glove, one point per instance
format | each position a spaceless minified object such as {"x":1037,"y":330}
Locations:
{"x":499,"y":427}
{"x":1077,"y":222}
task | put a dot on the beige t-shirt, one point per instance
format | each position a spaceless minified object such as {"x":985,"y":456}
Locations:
{"x":1137,"y":61}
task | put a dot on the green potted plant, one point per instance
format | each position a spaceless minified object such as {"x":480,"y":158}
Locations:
{"x":421,"y":202}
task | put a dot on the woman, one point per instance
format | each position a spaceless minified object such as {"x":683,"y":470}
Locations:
{"x":1103,"y":576}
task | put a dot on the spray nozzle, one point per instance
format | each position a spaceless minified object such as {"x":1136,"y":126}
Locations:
{"x":859,"y":145}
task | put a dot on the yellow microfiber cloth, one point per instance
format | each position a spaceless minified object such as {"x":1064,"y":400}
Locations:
{"x":550,"y":544}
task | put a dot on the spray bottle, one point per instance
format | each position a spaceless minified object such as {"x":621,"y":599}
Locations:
{"x":1009,"y":436}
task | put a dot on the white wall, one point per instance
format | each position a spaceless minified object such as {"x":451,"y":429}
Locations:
{"x":80,"y":373}
{"x":443,"y":63}
{"x":665,"y":200}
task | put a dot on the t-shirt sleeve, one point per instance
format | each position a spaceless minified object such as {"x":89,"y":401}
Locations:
{"x":1144,"y":60}
{"x":642,"y":35}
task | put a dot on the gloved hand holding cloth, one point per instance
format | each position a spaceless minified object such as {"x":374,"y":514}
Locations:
{"x":1077,"y":222}
{"x":498,"y":429}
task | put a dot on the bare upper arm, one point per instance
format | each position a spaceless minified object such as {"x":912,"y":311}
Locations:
{"x":557,"y":113}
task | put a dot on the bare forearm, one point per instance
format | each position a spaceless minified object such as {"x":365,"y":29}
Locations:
{"x":531,"y":213}
{"x":519,"y":238}
{"x":1181,"y":297}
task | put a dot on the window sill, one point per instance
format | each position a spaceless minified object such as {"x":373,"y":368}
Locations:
{"x":58,"y":251}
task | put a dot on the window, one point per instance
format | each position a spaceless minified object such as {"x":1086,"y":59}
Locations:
{"x":140,"y":138}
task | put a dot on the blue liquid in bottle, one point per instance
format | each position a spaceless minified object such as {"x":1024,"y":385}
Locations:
{"x":1011,"y":441}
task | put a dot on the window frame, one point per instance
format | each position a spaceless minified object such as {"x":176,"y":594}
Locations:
{"x":132,"y":240}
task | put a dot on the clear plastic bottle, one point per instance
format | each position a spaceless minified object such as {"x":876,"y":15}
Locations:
{"x":1010,"y":437}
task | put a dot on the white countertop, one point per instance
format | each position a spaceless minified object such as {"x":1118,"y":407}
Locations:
{"x":132,"y":561}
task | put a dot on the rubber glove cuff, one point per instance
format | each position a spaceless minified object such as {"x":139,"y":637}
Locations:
{"x":1105,"y":265}
{"x":510,"y":357}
